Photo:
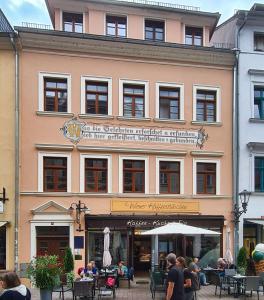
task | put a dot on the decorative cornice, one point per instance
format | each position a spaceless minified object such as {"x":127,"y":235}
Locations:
{"x":54,"y":114}
{"x":256,"y":72}
{"x":54,"y":147}
{"x":92,"y":116}
{"x":51,"y":40}
{"x":122,"y":118}
{"x":130,"y":150}
{"x":207,"y":153}
{"x":198,"y":123}
{"x":255,"y":146}
{"x":169,"y":121}
{"x":255,"y":120}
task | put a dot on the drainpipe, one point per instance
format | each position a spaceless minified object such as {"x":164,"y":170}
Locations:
{"x":236,"y":145}
{"x":16,"y":148}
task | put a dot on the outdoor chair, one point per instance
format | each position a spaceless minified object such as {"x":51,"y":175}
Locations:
{"x":83,"y":289}
{"x":251,"y":285}
{"x":63,"y":287}
{"x":195,"y":284}
{"x":156,"y":283}
{"x":261,"y":281}
{"x":104,"y":290}
{"x":128,"y":277}
{"x":220,"y":283}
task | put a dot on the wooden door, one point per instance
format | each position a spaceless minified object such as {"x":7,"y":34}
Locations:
{"x":52,"y":246}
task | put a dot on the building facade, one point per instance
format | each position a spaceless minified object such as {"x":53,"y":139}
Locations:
{"x":127,"y":110}
{"x":245,"y":30}
{"x":7,"y":146}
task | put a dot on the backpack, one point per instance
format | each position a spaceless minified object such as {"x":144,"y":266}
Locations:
{"x":110,"y":282}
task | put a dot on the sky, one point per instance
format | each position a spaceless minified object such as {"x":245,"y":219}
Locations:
{"x":35,"y":11}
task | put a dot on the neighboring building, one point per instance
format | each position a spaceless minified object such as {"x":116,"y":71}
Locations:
{"x":7,"y":145}
{"x":245,"y":30}
{"x":146,"y":92}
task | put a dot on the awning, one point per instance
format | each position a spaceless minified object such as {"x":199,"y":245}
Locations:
{"x":3,"y":223}
{"x":259,"y":222}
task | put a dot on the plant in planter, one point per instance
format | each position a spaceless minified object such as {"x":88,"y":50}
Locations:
{"x":242,"y":260}
{"x":44,"y":272}
{"x":68,"y":266}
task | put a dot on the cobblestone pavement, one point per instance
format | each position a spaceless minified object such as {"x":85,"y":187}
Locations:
{"x":142,"y":292}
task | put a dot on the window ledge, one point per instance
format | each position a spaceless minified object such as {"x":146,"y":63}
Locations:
{"x":257,"y":194}
{"x":122,"y":118}
{"x":47,"y":194}
{"x":255,"y":120}
{"x":54,"y":114}
{"x":94,"y":116}
{"x":210,"y":196}
{"x":169,"y":121}
{"x":199,"y":123}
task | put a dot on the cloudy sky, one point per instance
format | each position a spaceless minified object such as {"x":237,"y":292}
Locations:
{"x":35,"y":11}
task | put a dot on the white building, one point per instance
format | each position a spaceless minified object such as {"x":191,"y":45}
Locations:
{"x":245,"y":33}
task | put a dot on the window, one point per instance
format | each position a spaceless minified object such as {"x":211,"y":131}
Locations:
{"x":154,"y":30}
{"x":259,"y":42}
{"x":54,"y":174}
{"x":169,"y":103}
{"x":116,"y":26}
{"x":194,"y":36}
{"x":206,"y":106}
{"x":3,"y":248}
{"x":96,"y":98}
{"x":133,"y":176}
{"x":133,"y":100}
{"x":206,"y":178}
{"x":73,"y":22}
{"x":259,"y":174}
{"x":55,"y":94}
{"x":169,"y":177}
{"x":259,"y":102}
{"x":96,"y":175}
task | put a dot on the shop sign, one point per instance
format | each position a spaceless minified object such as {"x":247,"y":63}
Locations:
{"x":154,"y":206}
{"x":149,"y":223}
{"x":74,"y":130}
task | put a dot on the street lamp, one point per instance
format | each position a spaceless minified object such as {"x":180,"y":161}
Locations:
{"x":244,"y":198}
{"x":80,"y":208}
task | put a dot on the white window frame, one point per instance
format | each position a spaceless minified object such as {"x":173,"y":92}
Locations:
{"x":41,"y":77}
{"x":254,"y":155}
{"x":218,"y":101}
{"x":116,"y":15}
{"x":170,"y":85}
{"x":158,"y":20}
{"x":145,"y":83}
{"x":144,"y":158}
{"x":218,"y":174}
{"x":41,"y":156}
{"x":83,"y":92}
{"x":254,"y":83}
{"x":168,"y":159}
{"x":82,"y":171}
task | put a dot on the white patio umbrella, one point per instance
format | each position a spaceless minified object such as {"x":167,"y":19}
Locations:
{"x":107,"y":259}
{"x":228,"y":254}
{"x":179,"y":228}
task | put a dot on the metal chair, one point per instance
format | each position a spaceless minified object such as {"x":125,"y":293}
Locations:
{"x":251,"y":285}
{"x":104,"y":290}
{"x":63,"y":287}
{"x":220,"y":283}
{"x":261,"y":281}
{"x":156,"y":283}
{"x":83,"y":289}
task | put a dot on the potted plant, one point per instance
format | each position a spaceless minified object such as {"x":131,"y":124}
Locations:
{"x":68,"y":266}
{"x":44,"y":272}
{"x":242,"y":260}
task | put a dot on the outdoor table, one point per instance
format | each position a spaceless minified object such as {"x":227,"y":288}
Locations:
{"x":84,"y":287}
{"x":208,"y":273}
{"x":239,"y":279}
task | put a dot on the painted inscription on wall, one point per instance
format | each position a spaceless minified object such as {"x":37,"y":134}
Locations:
{"x":75,"y":130}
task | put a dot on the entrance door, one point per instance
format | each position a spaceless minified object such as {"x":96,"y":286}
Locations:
{"x":3,"y":248}
{"x":142,"y":253}
{"x":52,"y":240}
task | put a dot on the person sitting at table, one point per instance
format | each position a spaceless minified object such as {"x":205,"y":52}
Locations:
{"x":221,"y":266}
{"x":195,"y":269}
{"x":94,"y":269}
{"x":88,"y":271}
{"x":122,"y":271}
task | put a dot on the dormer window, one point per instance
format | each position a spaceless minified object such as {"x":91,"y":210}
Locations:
{"x":259,"y":42}
{"x":194,"y":36}
{"x":154,"y":30}
{"x":73,"y":22}
{"x":116,"y":26}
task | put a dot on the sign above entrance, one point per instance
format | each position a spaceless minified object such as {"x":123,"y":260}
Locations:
{"x":74,"y":130}
{"x":154,"y":206}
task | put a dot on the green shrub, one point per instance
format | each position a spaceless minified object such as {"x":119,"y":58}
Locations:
{"x":242,"y":260}
{"x":68,"y":262}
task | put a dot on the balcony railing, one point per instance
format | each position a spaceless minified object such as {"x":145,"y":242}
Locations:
{"x":224,"y":45}
{"x":163,"y":4}
{"x":37,"y":26}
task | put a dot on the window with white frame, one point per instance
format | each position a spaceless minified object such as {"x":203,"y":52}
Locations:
{"x":96,"y":95}
{"x":95,"y":173}
{"x":169,"y":101}
{"x":133,"y":174}
{"x":206,"y":174}
{"x":133,"y":98}
{"x":206,"y":104}
{"x":54,"y":93}
{"x":259,"y":173}
{"x":169,"y":175}
{"x":54,"y":172}
{"x":259,"y":102}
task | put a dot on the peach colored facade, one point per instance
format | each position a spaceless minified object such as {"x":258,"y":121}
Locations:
{"x":41,"y":135}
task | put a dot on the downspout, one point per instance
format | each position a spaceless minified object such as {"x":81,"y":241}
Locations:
{"x":17,"y":149}
{"x":236,"y":130}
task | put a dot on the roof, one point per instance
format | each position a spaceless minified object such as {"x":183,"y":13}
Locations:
{"x":4,"y":24}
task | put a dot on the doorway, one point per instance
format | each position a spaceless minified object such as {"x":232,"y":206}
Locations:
{"x":142,"y":253}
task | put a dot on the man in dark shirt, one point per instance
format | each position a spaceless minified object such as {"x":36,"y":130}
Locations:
{"x":175,"y":289}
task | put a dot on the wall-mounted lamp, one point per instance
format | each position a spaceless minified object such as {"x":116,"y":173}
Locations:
{"x":80,"y":208}
{"x":244,"y":198}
